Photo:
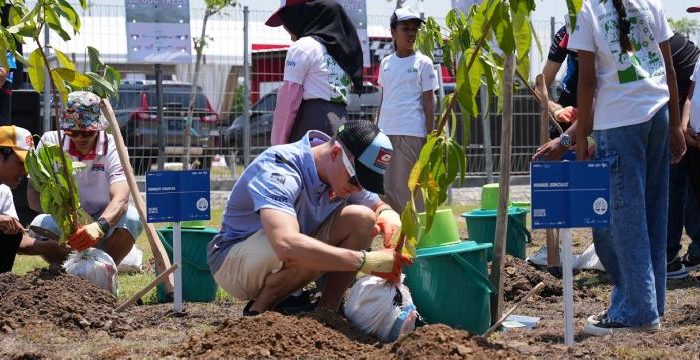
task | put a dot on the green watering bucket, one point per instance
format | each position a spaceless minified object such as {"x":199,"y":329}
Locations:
{"x":443,"y":232}
{"x":449,"y":284}
{"x":197,"y":282}
{"x":489,"y":196}
{"x":481,"y":227}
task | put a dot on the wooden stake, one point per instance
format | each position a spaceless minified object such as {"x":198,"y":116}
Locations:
{"x":159,"y":254}
{"x":162,"y":277}
{"x":522,"y":300}
{"x":503,"y":188}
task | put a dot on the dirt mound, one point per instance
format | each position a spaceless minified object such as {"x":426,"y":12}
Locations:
{"x":519,"y":277}
{"x":272,"y":335}
{"x":443,"y":342}
{"x":69,"y":302}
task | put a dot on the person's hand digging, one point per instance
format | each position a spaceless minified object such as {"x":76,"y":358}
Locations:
{"x":86,"y":236}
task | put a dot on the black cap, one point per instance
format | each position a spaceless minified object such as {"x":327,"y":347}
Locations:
{"x":371,"y":149}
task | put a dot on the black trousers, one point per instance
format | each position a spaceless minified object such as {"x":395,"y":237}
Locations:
{"x":8,"y":249}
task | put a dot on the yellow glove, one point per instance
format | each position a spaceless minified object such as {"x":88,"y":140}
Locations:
{"x":378,"y":261}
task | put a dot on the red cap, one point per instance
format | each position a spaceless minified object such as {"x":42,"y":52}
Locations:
{"x":275,"y":20}
{"x":693,"y":9}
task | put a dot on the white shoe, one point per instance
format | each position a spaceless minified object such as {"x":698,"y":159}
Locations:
{"x":539,"y":258}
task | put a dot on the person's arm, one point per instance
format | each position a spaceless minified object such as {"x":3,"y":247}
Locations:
{"x":691,"y":138}
{"x":3,"y":75}
{"x":118,"y":202}
{"x":675,"y":132}
{"x":429,"y":110}
{"x":298,"y":250}
{"x":586,"y":89}
{"x":289,"y":98}
{"x":550,"y":70}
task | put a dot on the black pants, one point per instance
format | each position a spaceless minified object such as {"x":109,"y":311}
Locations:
{"x":8,"y":249}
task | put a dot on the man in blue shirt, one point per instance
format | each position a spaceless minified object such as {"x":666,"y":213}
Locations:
{"x":306,"y":208}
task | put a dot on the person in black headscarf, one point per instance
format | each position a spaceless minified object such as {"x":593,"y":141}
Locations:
{"x":321,"y":65}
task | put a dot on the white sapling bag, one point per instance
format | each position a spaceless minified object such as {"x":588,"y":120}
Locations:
{"x":132,"y":262}
{"x":378,"y":307}
{"x":95,"y":266}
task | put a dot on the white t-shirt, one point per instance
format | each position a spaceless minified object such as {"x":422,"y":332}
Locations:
{"x":309,"y":64}
{"x":403,"y":82}
{"x":631,"y":86}
{"x":7,"y":204}
{"x":695,"y":102}
{"x":100,"y":172}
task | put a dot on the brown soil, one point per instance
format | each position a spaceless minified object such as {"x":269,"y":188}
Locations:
{"x":63,"y":300}
{"x":51,"y":315}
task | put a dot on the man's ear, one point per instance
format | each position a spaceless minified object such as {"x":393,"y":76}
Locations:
{"x":336,"y":150}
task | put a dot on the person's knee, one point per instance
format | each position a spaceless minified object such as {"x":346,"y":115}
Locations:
{"x":360,"y":217}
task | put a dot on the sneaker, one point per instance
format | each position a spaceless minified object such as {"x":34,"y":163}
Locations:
{"x":603,"y":325}
{"x":597,"y":318}
{"x":675,"y":270}
{"x":691,"y":263}
{"x":539,"y":258}
{"x":296,"y":304}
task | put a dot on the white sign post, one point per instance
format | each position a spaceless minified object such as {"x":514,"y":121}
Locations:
{"x":565,"y":195}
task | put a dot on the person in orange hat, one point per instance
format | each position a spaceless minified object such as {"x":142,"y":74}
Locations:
{"x":15,"y":142}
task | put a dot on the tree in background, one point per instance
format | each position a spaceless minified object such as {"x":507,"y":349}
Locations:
{"x":213,"y":7}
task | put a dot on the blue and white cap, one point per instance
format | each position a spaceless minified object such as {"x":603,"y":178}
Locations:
{"x":371,"y":149}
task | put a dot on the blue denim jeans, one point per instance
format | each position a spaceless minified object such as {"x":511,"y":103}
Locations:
{"x":683,"y":209}
{"x":633,"y":248}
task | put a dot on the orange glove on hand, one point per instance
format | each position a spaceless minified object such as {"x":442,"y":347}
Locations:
{"x":86,"y":237}
{"x":566,"y":115}
{"x":389,"y":224}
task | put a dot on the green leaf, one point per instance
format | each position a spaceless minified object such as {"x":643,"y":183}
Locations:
{"x":60,"y":86}
{"x":522,"y":31}
{"x":503,"y":28}
{"x":73,"y":77}
{"x":481,"y":18}
{"x":64,"y":60}
{"x":36,"y":70}
{"x":69,"y":13}
{"x":94,"y":56}
{"x":573,"y":6}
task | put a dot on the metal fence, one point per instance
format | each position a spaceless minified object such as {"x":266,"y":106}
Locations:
{"x":217,"y":136}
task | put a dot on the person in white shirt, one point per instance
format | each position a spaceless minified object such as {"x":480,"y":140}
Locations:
{"x":15,"y":142}
{"x":321,"y":64}
{"x":625,"y":64}
{"x":406,"y":113}
{"x":102,"y":186}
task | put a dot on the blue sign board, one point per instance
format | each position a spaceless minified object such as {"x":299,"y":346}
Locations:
{"x":570,"y":194}
{"x":173,"y":196}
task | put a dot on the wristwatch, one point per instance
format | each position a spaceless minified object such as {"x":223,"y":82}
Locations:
{"x":565,"y":140}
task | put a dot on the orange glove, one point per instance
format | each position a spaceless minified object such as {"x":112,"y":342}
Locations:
{"x":389,"y":224}
{"x":86,"y":237}
{"x":566,"y":115}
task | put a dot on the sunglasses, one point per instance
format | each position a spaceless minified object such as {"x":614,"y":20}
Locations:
{"x":79,"y":133}
{"x":351,"y":169}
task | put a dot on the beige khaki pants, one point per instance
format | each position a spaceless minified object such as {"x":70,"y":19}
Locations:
{"x":250,"y":262}
{"x":406,"y":152}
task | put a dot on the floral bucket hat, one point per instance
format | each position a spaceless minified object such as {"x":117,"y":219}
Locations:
{"x":83,"y":112}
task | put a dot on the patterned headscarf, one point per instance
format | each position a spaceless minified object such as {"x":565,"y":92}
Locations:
{"x":83,"y":112}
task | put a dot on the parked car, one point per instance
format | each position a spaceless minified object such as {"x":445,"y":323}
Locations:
{"x":262,"y":112}
{"x":137,"y":115}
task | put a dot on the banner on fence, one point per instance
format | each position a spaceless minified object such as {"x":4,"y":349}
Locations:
{"x":158,"y":31}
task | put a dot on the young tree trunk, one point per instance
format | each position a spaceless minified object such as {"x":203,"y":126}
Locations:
{"x":503,"y":183}
{"x":187,"y":132}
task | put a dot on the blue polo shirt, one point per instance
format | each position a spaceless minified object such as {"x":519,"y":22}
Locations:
{"x":284,"y":178}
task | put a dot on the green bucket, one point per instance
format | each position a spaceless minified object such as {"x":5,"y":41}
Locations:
{"x":197,"y":282}
{"x":443,"y":232}
{"x":481,"y":227}
{"x":449,"y":284}
{"x":489,"y":196}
